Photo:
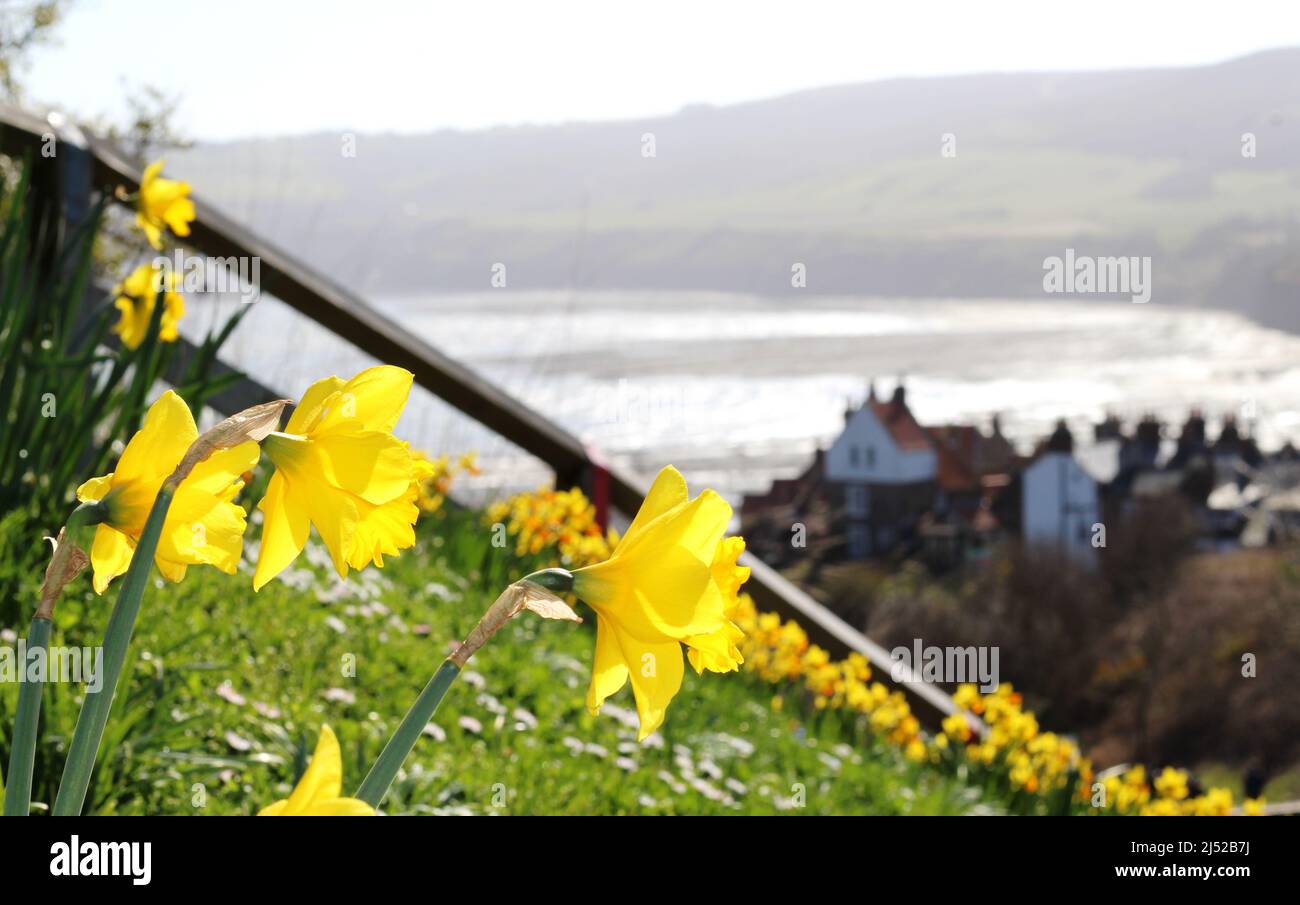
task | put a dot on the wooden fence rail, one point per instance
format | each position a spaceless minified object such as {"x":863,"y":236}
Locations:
{"x":70,"y":164}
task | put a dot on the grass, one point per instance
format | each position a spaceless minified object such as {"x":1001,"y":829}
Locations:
{"x":227,"y":690}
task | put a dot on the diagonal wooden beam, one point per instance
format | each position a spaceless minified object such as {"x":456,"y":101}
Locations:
{"x":347,"y":315}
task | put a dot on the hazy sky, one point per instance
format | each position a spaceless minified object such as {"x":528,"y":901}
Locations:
{"x":255,"y":67}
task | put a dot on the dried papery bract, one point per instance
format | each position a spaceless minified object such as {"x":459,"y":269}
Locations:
{"x":66,"y":562}
{"x":252,"y":424}
{"x":520,"y":596}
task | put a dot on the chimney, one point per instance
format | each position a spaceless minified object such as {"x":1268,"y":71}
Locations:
{"x":1061,"y":439}
{"x":1148,"y":431}
{"x":1108,"y":428}
{"x":900,"y":395}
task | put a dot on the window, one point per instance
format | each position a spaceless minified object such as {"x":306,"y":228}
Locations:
{"x":856,"y":501}
{"x":853,"y":456}
{"x":871,"y":457}
{"x":857,"y":541}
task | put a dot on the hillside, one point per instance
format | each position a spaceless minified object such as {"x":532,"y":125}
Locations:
{"x":849,"y":180}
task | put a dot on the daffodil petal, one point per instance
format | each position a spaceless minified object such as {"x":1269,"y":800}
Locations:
{"x":285,"y":525}
{"x":151,"y":173}
{"x":155,"y":451}
{"x":323,"y":778}
{"x":609,"y":672}
{"x":179,"y":213}
{"x":375,"y":397}
{"x":697,"y":525}
{"x":668,"y":490}
{"x":656,"y":672}
{"x":110,"y":555}
{"x":171,"y":570}
{"x":95,"y":488}
{"x":152,"y":231}
{"x":204,"y":530}
{"x":370,"y":464}
{"x":340,"y":807}
{"x":335,"y":516}
{"x":308,"y":410}
{"x":215,"y":474}
{"x":670,"y":596}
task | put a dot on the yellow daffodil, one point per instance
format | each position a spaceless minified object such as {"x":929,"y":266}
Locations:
{"x":136,"y":297}
{"x":658,"y":590}
{"x":318,"y":793}
{"x":203,"y":526}
{"x":437,"y":476}
{"x":339,"y":467}
{"x":1172,"y":784}
{"x":163,"y":203}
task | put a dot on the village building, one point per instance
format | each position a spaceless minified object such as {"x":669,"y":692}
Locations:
{"x":1061,"y":507}
{"x":885,"y":485}
{"x":888,"y":486}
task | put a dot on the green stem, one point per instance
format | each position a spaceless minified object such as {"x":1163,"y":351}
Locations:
{"x":22,"y":756}
{"x":117,"y":638}
{"x":18,"y":787}
{"x":375,"y":786}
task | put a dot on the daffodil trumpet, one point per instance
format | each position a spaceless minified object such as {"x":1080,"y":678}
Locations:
{"x":537,"y":596}
{"x":66,"y":562}
{"x":250,"y":425}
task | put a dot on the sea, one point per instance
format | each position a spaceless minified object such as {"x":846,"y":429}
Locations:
{"x":737,"y":390}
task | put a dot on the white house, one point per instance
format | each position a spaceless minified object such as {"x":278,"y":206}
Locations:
{"x":1060,"y":505}
{"x":885,"y":464}
{"x":882,"y":444}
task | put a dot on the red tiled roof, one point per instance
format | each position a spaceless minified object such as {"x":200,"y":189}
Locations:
{"x":898,"y":420}
{"x":963,"y":439}
{"x":955,"y":446}
{"x":953,"y":474}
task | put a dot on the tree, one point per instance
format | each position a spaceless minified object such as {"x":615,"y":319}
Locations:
{"x":23,"y":27}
